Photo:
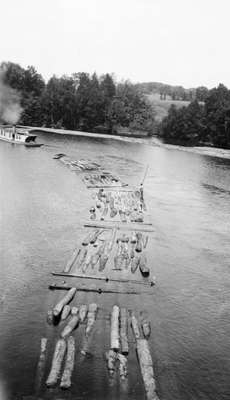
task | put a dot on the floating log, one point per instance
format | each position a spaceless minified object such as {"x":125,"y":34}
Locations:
{"x":139,"y":242}
{"x":146,"y":328}
{"x":83,"y":312}
{"x":145,"y":241}
{"x":91,"y":318}
{"x":81,"y":258}
{"x":50,"y":317}
{"x":114,"y":335}
{"x":72,"y":324}
{"x":72,"y":260}
{"x":95,"y":259}
{"x":124,"y":331}
{"x":105,"y":278}
{"x":66,"y":299}
{"x":74,"y":310}
{"x":91,"y":238}
{"x":41,"y":365}
{"x":58,"y":357}
{"x":65,"y":312}
{"x":122,"y":365}
{"x":69,"y":364}
{"x":118,"y":226}
{"x":143,"y":265}
{"x":146,"y":366}
{"x":111,"y":357}
{"x":96,"y":290}
{"x":135,"y":327}
{"x":134,"y":264}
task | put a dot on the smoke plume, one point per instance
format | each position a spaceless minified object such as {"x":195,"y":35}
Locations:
{"x":10,"y":109}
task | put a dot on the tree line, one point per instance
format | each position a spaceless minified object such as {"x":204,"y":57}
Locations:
{"x":79,"y":102}
{"x":203,"y":123}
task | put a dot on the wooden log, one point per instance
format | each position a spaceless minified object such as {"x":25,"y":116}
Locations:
{"x":50,"y":317}
{"x":134,"y":264}
{"x":146,"y":366}
{"x":72,"y":324}
{"x":119,"y":226}
{"x":145,"y":241}
{"x":91,"y":237}
{"x":74,"y":310}
{"x":96,"y":290}
{"x":65,"y":312}
{"x":105,"y":278}
{"x":146,"y":328}
{"x":95,"y":259}
{"x":123,"y":362}
{"x":41,"y":365}
{"x":143,"y":265}
{"x":91,"y":318}
{"x":111,"y":357}
{"x":135,"y":327}
{"x":83,"y":312}
{"x":66,"y":299}
{"x":69,"y":364}
{"x":72,"y":260}
{"x":139,"y":242}
{"x":114,"y":335}
{"x":124,"y":331}
{"x":58,"y":357}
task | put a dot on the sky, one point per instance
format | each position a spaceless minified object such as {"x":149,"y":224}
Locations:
{"x":179,"y":42}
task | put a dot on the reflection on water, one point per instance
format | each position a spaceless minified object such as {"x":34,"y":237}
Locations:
{"x":43,"y":206}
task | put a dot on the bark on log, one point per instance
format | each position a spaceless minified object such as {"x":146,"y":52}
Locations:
{"x":135,"y":327}
{"x":72,"y":324}
{"x":124,"y":331}
{"x":69,"y":364}
{"x":82,"y":312}
{"x":58,"y":357}
{"x":146,"y":366}
{"x":65,"y":312}
{"x":114,"y":336}
{"x":66,"y":299}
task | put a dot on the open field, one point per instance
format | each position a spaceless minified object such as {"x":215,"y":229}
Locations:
{"x":161,"y":107}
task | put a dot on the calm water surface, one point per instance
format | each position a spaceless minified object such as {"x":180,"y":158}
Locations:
{"x":42,"y":208}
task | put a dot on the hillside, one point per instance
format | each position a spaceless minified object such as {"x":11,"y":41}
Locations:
{"x":161,"y":107}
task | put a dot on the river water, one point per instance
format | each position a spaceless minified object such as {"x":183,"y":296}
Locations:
{"x":42,"y":208}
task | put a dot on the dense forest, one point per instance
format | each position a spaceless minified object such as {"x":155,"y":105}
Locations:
{"x":201,"y":123}
{"x":77,"y":102}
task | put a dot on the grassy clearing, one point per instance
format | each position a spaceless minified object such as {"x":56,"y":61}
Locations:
{"x":161,"y":107}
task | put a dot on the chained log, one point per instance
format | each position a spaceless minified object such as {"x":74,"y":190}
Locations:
{"x":135,"y":326}
{"x":139,"y":242}
{"x":91,"y":318}
{"x":72,"y":324}
{"x":114,"y":334}
{"x":143,"y":265}
{"x":122,"y":365}
{"x":87,"y":262}
{"x":66,"y":299}
{"x":124,"y":331}
{"x":72,"y":260}
{"x":111,"y":357}
{"x":41,"y":365}
{"x":81,"y":258}
{"x":69,"y":364}
{"x":65,"y":312}
{"x":83,"y":312}
{"x":58,"y":357}
{"x":146,"y":366}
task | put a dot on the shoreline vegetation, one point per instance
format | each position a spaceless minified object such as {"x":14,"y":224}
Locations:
{"x":101,"y":105}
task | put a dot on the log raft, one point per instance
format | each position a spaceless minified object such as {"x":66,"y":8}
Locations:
{"x":114,"y":336}
{"x":41,"y":365}
{"x":69,"y":364}
{"x":146,"y":366}
{"x":124,"y":331}
{"x":66,"y":299}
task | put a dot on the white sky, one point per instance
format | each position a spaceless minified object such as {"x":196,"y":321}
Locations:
{"x":182,"y":42}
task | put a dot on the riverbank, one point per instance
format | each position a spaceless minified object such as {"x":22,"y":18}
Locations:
{"x":152,"y":141}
